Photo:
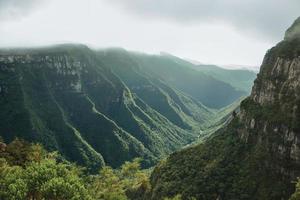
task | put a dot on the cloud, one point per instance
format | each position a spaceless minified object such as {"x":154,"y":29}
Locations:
{"x":14,"y":9}
{"x":211,"y":31}
{"x":265,"y":18}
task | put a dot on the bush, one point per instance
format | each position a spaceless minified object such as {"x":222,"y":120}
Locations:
{"x":28,"y":172}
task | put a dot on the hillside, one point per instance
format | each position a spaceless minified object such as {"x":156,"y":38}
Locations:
{"x":257,"y":155}
{"x":97,"y":108}
{"x":212,"y":92}
{"x":177,"y":106}
{"x":240,"y":79}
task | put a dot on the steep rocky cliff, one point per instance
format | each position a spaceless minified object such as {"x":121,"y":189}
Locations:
{"x":95,"y":109}
{"x":257,"y":156}
{"x":58,"y":97}
{"x":272,"y":112}
{"x":293,"y":31}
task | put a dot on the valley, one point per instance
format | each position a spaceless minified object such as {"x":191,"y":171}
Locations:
{"x":149,"y":100}
{"x":105,"y":107}
{"x":256,"y":156}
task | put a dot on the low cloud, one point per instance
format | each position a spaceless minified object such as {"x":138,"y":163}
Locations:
{"x":265,"y":18}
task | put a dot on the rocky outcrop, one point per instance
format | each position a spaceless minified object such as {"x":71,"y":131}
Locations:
{"x":257,"y":156}
{"x":69,"y":99}
{"x":271,"y":113}
{"x":283,"y":80}
{"x":55,"y":96}
{"x":293,"y":31}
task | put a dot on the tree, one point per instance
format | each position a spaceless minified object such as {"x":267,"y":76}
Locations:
{"x":108,"y":186}
{"x":12,"y":185}
{"x":19,"y":152}
{"x":177,"y":197}
{"x":38,"y":175}
{"x":28,"y":172}
{"x":296,"y":195}
{"x":113,"y":184}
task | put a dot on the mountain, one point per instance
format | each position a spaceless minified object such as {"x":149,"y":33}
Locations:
{"x":211,"y":91}
{"x":104,"y":107}
{"x":177,"y":107}
{"x":293,"y":31}
{"x":257,"y":155}
{"x":252,"y":68}
{"x":240,"y":79}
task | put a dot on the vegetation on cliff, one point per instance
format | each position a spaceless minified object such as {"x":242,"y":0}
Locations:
{"x":224,"y":167}
{"x":98,"y":108}
{"x":257,"y":155}
{"x":27,"y":171}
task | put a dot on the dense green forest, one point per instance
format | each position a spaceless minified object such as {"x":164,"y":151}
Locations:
{"x":223,"y":167}
{"x":215,"y":88}
{"x":107,"y":107}
{"x":256,"y":156}
{"x":88,"y":120}
{"x":28,"y":171}
{"x":108,"y":115}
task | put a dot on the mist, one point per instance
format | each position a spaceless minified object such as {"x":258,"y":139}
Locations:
{"x":206,"y":31}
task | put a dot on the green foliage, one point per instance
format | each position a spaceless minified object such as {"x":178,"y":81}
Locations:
{"x":107,"y":185}
{"x":177,"y":197}
{"x":296,"y":195}
{"x":11,"y":183}
{"x":19,"y":152}
{"x":40,"y":176}
{"x":271,"y":112}
{"x":93,"y":107}
{"x":179,"y":74}
{"x":37,"y":175}
{"x":116,"y":184}
{"x":223,"y":167}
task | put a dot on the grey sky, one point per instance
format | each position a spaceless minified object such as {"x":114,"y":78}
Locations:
{"x":12,"y":9}
{"x":268,"y":18}
{"x":210,"y":31}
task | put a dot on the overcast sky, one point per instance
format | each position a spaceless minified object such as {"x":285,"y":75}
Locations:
{"x":209,"y":31}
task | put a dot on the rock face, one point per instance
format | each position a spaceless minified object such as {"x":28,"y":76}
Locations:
{"x":272,"y":111}
{"x":49,"y":96}
{"x":257,"y":156}
{"x":65,"y":98}
{"x":293,"y":31}
{"x":95,"y":108}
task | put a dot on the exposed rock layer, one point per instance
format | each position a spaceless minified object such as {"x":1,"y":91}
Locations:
{"x":257,"y":156}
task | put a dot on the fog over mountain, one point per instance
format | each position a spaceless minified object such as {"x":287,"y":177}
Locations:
{"x":149,"y":100}
{"x":189,"y":28}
